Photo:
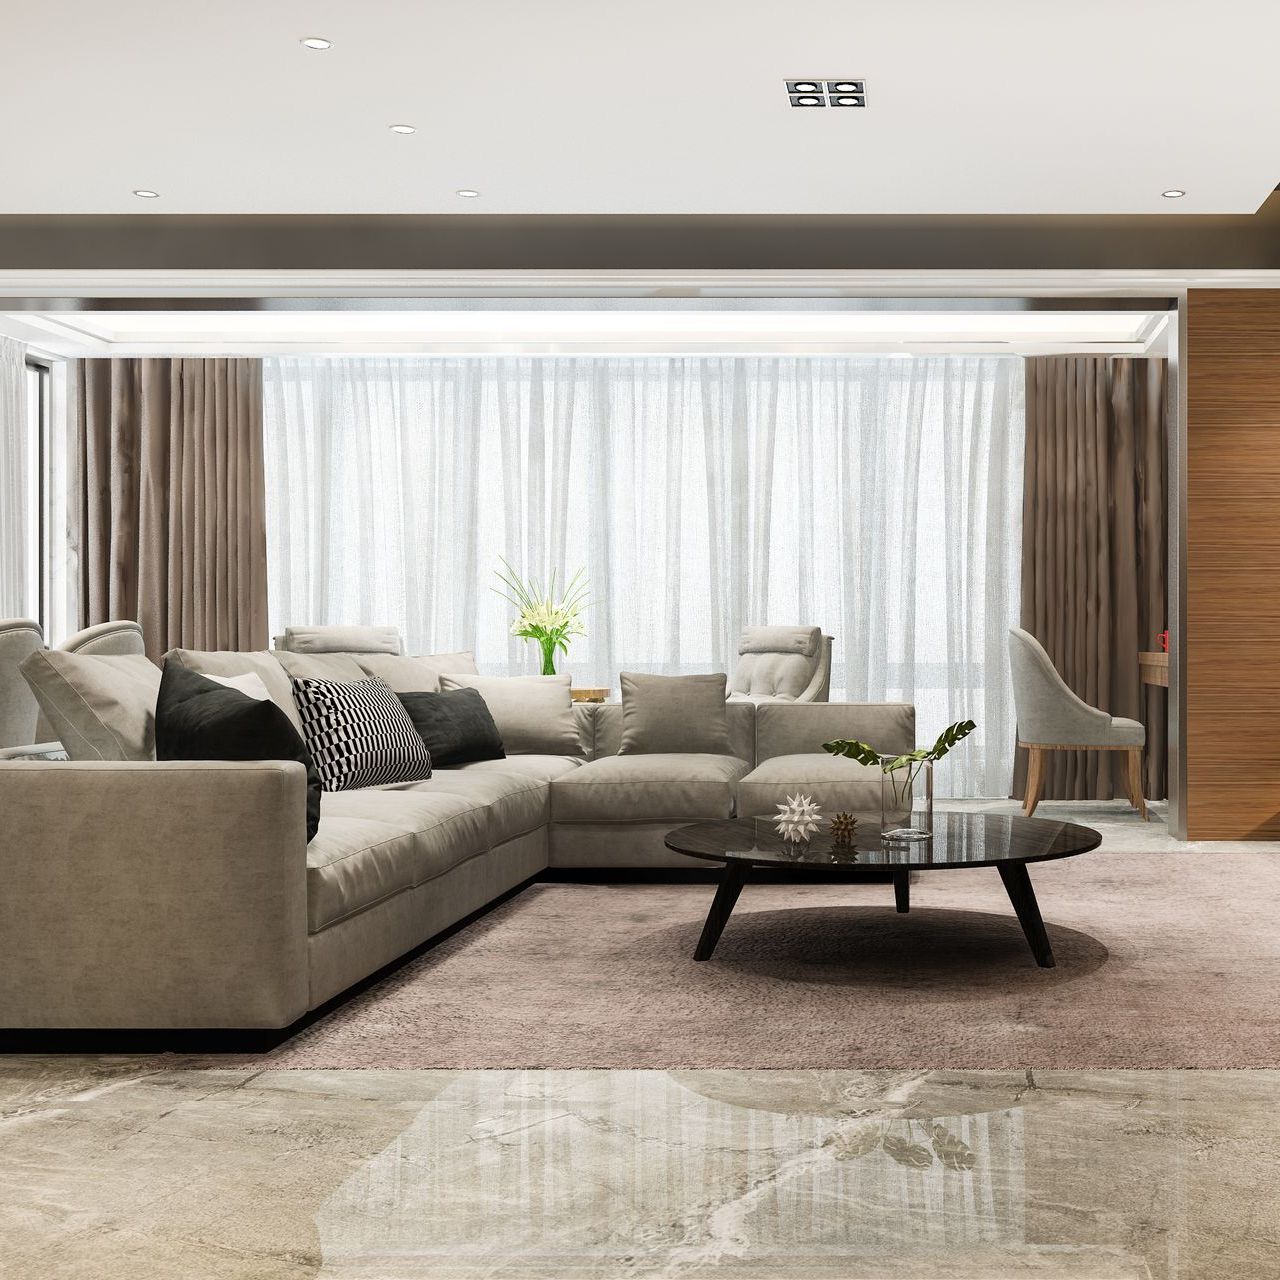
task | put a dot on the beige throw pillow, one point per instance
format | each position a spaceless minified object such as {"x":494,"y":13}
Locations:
{"x":668,"y":714}
{"x":534,"y":714}
{"x":101,"y":707}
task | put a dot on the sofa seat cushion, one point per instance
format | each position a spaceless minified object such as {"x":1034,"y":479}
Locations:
{"x":516,"y":805}
{"x":372,"y":844}
{"x":833,"y":782}
{"x":659,"y":787}
{"x":544,"y":768}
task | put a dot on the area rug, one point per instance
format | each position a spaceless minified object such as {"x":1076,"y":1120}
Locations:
{"x":1163,"y":961}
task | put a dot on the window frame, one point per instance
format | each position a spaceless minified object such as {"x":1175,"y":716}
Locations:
{"x":40,"y":435}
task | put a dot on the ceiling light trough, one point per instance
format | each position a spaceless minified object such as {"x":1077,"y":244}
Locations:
{"x":817,"y":92}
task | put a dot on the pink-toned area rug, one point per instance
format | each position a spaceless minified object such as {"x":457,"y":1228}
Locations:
{"x":1163,"y":961}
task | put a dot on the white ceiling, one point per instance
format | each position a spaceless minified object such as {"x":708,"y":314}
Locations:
{"x":637,"y":106}
{"x":565,"y":330}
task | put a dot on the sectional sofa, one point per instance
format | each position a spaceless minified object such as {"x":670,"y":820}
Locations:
{"x":145,"y":894}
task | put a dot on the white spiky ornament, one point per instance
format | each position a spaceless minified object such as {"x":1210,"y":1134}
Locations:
{"x":798,"y":818}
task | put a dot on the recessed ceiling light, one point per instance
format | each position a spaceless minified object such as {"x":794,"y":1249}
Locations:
{"x":403,"y":128}
{"x":812,"y":92}
{"x":143,"y":194}
{"x":1173,"y":194}
{"x":317,"y":42}
{"x":466,"y":193}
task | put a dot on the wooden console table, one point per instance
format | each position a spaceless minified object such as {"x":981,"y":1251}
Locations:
{"x":1153,"y":667}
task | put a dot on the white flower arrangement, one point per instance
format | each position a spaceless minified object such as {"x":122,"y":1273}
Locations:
{"x":540,"y":616}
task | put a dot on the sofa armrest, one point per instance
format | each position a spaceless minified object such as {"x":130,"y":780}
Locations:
{"x":800,"y":728}
{"x":152,"y":894}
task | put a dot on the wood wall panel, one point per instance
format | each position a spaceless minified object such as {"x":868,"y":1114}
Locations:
{"x":1231,"y":715}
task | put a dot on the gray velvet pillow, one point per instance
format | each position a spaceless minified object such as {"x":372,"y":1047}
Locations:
{"x":662,"y":714}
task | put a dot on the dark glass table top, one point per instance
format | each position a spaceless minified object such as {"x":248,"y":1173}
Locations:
{"x":958,"y":840}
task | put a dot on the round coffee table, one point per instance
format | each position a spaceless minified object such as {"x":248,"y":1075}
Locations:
{"x":959,"y":840}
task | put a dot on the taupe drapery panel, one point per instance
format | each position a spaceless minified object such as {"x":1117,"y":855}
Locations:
{"x":173,"y":510}
{"x":1095,"y":550}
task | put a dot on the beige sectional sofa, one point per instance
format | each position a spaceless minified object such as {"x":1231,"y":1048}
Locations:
{"x":144,"y":894}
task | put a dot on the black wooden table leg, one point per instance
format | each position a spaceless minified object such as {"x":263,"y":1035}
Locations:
{"x":1017,"y":884}
{"x":902,"y":888}
{"x":735,"y":876}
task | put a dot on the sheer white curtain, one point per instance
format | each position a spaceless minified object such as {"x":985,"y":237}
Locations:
{"x":877,"y":497}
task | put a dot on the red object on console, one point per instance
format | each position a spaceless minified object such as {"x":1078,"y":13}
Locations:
{"x":1164,"y":641}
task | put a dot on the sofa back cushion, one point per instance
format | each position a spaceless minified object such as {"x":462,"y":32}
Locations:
{"x":740,"y":718}
{"x":668,"y":714}
{"x":101,"y":707}
{"x":319,"y":666}
{"x":534,"y":714}
{"x":416,"y":673}
{"x":227,"y":662}
{"x":359,"y":734}
{"x":792,"y":729}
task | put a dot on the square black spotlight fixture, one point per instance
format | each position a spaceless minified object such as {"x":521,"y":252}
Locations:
{"x":817,"y":92}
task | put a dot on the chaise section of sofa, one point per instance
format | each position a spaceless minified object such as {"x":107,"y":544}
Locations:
{"x":617,"y":809}
{"x":790,"y":758}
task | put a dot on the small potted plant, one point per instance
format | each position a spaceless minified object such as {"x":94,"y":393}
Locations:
{"x":898,"y":776}
{"x":540,"y":616}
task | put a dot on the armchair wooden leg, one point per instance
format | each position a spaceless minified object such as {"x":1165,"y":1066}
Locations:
{"x":1134,"y":779}
{"x":1035,"y":779}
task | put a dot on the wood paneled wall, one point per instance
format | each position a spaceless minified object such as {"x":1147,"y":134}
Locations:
{"x":1231,"y":716}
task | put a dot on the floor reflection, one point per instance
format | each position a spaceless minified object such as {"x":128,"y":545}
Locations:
{"x":111,"y":1169}
{"x":790,"y":1174}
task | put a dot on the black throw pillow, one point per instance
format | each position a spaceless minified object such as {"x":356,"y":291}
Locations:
{"x":200,"y":719}
{"x":456,"y":725}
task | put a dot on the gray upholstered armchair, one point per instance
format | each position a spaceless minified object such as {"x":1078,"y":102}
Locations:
{"x":340,"y":640}
{"x":1052,"y":718}
{"x":106,"y":640}
{"x":18,"y":711}
{"x":782,"y":664}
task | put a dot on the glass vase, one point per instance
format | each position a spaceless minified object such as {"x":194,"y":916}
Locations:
{"x":906,"y":802}
{"x":548,"y":648}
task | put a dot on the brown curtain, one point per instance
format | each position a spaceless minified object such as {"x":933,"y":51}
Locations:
{"x":1095,"y":550}
{"x":173,"y":512}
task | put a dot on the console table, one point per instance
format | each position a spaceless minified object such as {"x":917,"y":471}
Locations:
{"x":1153,"y":667}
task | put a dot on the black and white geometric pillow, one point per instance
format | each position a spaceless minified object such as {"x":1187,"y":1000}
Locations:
{"x":359,"y":734}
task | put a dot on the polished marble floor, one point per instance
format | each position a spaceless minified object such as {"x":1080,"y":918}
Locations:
{"x":113,"y":1168}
